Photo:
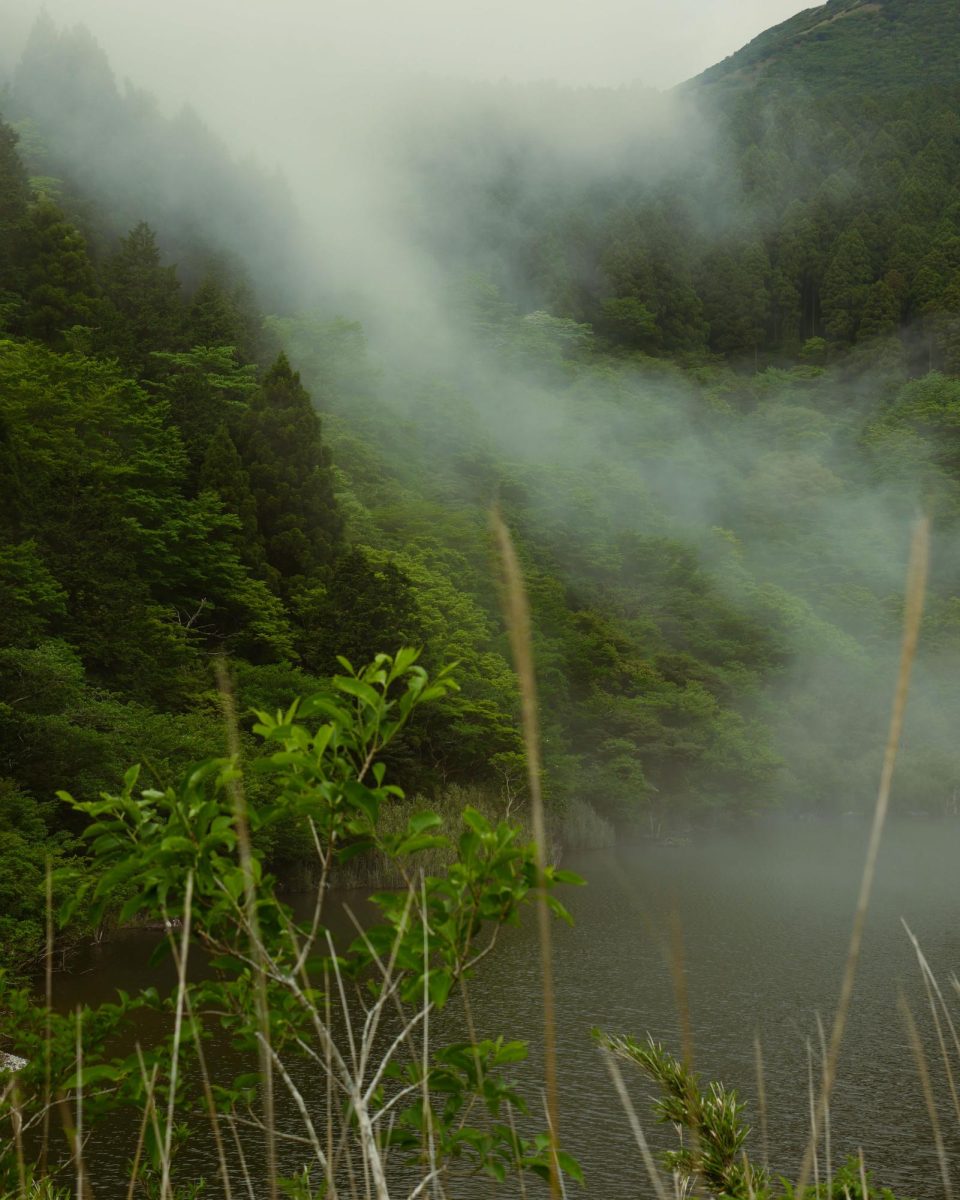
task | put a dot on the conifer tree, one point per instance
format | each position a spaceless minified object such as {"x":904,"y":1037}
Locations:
{"x":223,"y":474}
{"x":881,"y":312}
{"x":61,"y":289}
{"x":14,"y":199}
{"x":221,"y":317}
{"x":145,"y":302}
{"x":288,"y":464}
{"x":366,"y":607}
{"x":846,"y":286}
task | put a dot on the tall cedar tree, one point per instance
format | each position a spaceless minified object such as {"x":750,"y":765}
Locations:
{"x":14,"y":199}
{"x":367,"y":607}
{"x":289,"y":468}
{"x":222,"y":473}
{"x":145,"y":306}
{"x":220,"y":315}
{"x":61,"y":286}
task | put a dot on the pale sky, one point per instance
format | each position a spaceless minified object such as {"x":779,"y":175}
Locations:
{"x":170,"y":45}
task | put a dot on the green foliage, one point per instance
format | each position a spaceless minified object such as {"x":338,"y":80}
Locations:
{"x":821,"y":50}
{"x":14,"y":200}
{"x":183,"y":855}
{"x":144,"y":305}
{"x":716,"y":1158}
{"x":60,"y":286}
{"x":205,"y":387}
{"x":289,"y":470}
{"x":223,"y":475}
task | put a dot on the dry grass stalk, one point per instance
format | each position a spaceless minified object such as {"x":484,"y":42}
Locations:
{"x":762,"y":1100}
{"x":142,"y":1132}
{"x":863,"y":1174}
{"x":517,"y":616}
{"x":209,"y":1100}
{"x":811,"y":1099}
{"x":828,"y":1166}
{"x":238,"y":795}
{"x":166,"y":1189}
{"x":920,"y":1058}
{"x":16,"y":1117}
{"x":913,"y":615}
{"x":78,"y":1121}
{"x":648,"y":1160}
{"x":48,"y":1034}
{"x":932,"y":987}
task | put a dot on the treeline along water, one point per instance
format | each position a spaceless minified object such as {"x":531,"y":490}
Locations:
{"x":765,"y":916}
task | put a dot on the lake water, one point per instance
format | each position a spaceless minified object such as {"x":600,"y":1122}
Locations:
{"x":765,"y":918}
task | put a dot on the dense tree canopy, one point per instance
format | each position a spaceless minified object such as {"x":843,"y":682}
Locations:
{"x":708,"y":403}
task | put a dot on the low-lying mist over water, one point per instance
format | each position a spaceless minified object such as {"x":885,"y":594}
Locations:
{"x":764,"y":920}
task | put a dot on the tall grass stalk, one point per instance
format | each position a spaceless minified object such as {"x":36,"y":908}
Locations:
{"x":762,"y":1100}
{"x":917,"y":572}
{"x":245,"y":848}
{"x":209,"y":1100}
{"x":142,"y":1132}
{"x":517,"y":616}
{"x":828,"y":1163}
{"x":165,"y":1186}
{"x":78,"y":1120}
{"x":636,"y":1128}
{"x":933,"y":989}
{"x":48,"y":1032}
{"x":865,"y":1191}
{"x":920,"y":1058}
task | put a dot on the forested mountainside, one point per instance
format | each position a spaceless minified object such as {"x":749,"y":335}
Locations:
{"x":807,"y":210}
{"x":106,"y":152}
{"x":846,"y":46}
{"x":710,"y":391}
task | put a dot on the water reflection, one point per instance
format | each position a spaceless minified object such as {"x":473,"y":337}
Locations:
{"x":765,"y":917}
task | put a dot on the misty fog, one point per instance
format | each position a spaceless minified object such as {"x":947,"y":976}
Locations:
{"x":337,"y":280}
{"x":413,"y":178}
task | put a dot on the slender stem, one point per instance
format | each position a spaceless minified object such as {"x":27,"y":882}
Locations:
{"x":912,"y":619}
{"x":517,"y":615}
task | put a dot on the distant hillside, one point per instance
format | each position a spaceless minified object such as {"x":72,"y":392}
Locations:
{"x":110,"y":155}
{"x":855,"y":45}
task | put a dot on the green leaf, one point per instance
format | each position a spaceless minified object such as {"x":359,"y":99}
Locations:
{"x":570,"y":1166}
{"x":88,"y":1076}
{"x":439,"y":986}
{"x":476,"y":821}
{"x":571,"y":877}
{"x":176,"y":844}
{"x":422,"y":821}
{"x":558,"y":909}
{"x":356,"y":687}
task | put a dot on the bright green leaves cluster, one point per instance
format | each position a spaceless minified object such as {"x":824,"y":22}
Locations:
{"x":177,"y":857}
{"x":131,"y":552}
{"x":145,"y":843}
{"x":709,"y":1123}
{"x":461,"y":1075}
{"x":713,"y":1118}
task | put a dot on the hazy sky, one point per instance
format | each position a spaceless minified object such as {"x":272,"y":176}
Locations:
{"x":171,"y":43}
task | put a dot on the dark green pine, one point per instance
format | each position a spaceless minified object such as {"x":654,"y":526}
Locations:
{"x":282,"y":449}
{"x":222,"y":472}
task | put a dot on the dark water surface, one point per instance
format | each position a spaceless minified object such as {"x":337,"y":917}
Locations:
{"x":765,"y":918}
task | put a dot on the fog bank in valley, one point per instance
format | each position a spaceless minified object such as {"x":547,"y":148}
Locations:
{"x":422,"y":146}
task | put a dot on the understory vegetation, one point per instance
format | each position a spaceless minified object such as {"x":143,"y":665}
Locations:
{"x":301,"y":1066}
